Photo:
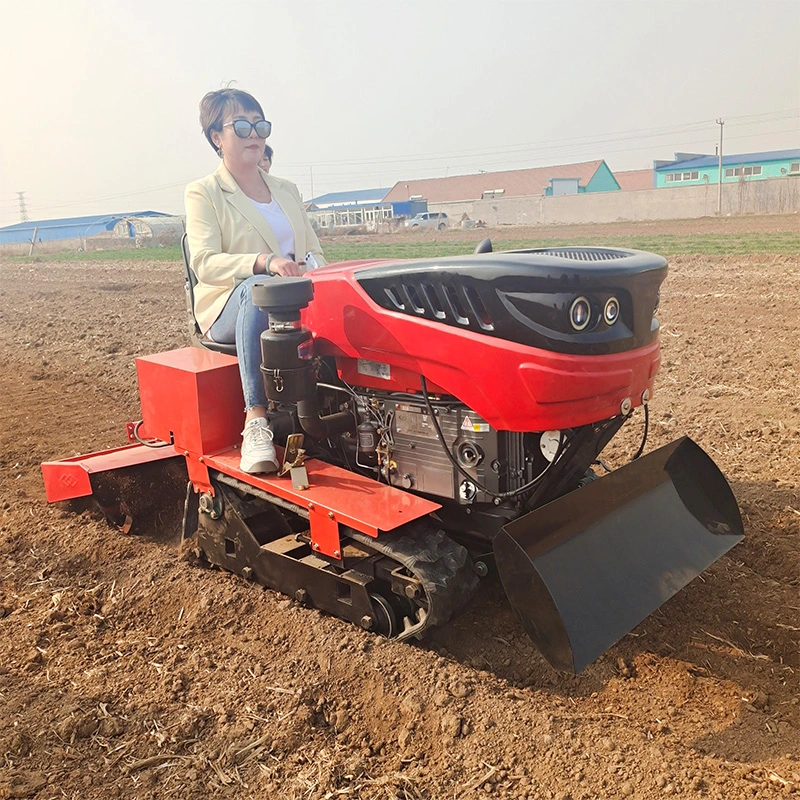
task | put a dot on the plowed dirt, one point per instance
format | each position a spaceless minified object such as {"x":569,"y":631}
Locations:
{"x":126,"y":671}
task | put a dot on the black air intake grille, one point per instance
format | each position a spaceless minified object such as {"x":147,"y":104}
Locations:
{"x":453,"y":304}
{"x":594,"y":254}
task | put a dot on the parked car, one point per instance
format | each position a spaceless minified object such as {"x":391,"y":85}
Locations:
{"x":428,"y":219}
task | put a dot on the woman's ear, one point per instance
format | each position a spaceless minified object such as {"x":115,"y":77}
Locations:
{"x":216,"y":137}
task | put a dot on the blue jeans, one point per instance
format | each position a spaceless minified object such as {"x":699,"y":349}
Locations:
{"x":242,"y":322}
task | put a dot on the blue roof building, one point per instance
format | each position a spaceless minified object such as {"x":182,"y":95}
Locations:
{"x":49,"y":230}
{"x":358,"y":197}
{"x":689,"y":170}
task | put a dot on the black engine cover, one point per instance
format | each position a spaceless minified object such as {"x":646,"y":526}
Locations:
{"x":525,"y":296}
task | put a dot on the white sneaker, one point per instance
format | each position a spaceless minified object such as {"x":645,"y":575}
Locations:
{"x":258,"y":452}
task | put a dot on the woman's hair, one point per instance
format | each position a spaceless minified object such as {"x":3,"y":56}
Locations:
{"x":268,"y":151}
{"x":217,"y":104}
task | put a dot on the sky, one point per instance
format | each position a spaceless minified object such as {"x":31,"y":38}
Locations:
{"x":99,"y":100}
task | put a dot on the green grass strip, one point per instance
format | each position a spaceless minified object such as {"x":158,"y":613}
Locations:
{"x":709,"y":244}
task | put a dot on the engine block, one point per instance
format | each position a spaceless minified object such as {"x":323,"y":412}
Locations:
{"x":492,"y":459}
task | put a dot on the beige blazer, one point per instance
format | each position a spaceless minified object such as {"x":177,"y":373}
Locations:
{"x":226,"y":233}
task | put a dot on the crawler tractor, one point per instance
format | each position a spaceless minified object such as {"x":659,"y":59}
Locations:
{"x":439,"y":419}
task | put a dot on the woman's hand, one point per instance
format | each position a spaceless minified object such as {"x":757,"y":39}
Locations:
{"x":270,"y":264}
{"x":284,"y":267}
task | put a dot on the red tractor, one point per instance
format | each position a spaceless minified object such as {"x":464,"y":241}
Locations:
{"x":438,"y":418}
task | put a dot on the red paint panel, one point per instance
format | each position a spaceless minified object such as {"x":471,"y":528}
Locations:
{"x":193,"y":397}
{"x":324,"y":533}
{"x":69,"y":478}
{"x":198,"y":474}
{"x":65,"y":481}
{"x":356,"y":501}
{"x":512,"y":386}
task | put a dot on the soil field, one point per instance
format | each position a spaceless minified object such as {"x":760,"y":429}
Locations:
{"x":128,"y":672}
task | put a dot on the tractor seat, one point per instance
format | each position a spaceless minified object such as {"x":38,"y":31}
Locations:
{"x":190,"y":281}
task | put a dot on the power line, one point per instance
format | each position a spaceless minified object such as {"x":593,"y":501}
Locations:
{"x":610,"y":138}
{"x":117,"y":196}
{"x":587,"y":148}
{"x":498,"y":156}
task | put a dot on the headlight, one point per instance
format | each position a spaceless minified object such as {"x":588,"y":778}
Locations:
{"x":580,"y":313}
{"x":611,"y":311}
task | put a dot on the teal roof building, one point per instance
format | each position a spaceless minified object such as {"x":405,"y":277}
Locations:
{"x":692,"y":170}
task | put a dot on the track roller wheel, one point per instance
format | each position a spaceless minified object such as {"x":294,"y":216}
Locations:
{"x":384,"y":620}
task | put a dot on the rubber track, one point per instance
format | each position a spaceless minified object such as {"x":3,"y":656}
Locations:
{"x":442,"y":566}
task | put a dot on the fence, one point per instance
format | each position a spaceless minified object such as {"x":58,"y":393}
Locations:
{"x":771,"y":196}
{"x":155,"y":236}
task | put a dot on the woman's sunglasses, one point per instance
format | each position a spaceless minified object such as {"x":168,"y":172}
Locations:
{"x":243,"y":128}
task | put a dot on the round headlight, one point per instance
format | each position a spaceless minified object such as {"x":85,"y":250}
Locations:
{"x":611,"y":311}
{"x":580,"y":313}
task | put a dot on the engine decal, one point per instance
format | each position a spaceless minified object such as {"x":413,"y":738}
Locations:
{"x":413,"y":422}
{"x":477,"y":427}
{"x":376,"y":369}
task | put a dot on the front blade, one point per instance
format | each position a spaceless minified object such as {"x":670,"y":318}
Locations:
{"x":585,"y":569}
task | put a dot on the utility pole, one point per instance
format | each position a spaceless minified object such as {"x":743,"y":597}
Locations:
{"x":311,"y":170}
{"x":23,"y":211}
{"x":721,"y":123}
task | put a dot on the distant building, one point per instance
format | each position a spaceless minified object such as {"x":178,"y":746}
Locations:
{"x":360,"y":207}
{"x":690,"y":169}
{"x":342,"y":209}
{"x":635,"y":179}
{"x":589,"y":176}
{"x":138,"y":223}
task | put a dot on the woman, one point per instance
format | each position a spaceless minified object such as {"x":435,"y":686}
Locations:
{"x":242,"y":225}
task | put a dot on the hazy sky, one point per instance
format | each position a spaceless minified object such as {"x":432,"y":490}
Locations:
{"x":99,"y":100}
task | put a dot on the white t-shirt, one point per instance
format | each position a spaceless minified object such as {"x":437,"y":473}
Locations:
{"x":276,"y":219}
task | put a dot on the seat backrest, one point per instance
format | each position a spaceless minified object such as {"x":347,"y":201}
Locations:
{"x":189,"y":282}
{"x":187,"y":268}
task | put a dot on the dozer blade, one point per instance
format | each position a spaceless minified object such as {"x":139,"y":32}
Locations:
{"x":588,"y":567}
